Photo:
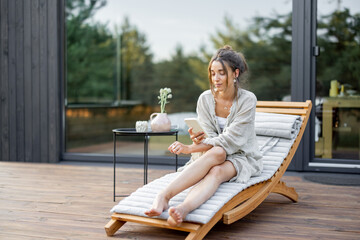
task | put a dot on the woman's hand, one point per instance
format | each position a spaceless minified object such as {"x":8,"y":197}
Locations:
{"x":197,"y":138}
{"x":178,"y":147}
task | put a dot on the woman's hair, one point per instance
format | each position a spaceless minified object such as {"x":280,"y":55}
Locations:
{"x":235,"y":60}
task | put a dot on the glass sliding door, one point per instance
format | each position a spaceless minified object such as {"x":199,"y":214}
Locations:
{"x":120,"y":53}
{"x":337,"y":104}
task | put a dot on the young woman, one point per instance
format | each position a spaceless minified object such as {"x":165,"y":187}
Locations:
{"x":230,"y":153}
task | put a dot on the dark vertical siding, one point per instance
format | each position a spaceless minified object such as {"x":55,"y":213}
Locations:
{"x":44,"y":122}
{"x":29,"y":81}
{"x":54,"y":70}
{"x":35,"y":74}
{"x":1,"y":77}
{"x":20,"y":109}
{"x":12,"y":84}
{"x":4,"y":87}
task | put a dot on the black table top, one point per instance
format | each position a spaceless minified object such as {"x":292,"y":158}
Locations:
{"x":133,"y":132}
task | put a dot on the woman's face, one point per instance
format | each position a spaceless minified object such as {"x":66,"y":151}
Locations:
{"x":218,"y":76}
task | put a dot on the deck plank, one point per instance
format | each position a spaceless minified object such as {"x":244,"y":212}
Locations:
{"x":58,"y":201}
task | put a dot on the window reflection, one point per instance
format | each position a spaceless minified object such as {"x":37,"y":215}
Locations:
{"x":338,"y":80}
{"x":116,"y":64}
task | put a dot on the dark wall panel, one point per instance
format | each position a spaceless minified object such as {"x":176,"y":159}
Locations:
{"x":19,"y":59}
{"x":4,"y":81}
{"x":44,"y":111}
{"x":54,"y":75}
{"x":12,"y":82}
{"x":303,"y":63}
{"x":29,"y":81}
{"x":19,"y":74}
{"x":35,"y":74}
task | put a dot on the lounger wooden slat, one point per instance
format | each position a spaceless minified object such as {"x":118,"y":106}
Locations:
{"x":282,"y":111}
{"x":185,"y":227}
{"x":279,"y":104}
{"x":245,"y":201}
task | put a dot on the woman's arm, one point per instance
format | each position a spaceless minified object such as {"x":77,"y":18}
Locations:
{"x":178,"y":147}
{"x":200,"y":147}
{"x":203,"y":110}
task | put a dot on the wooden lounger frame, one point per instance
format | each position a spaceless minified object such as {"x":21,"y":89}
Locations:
{"x":245,"y":201}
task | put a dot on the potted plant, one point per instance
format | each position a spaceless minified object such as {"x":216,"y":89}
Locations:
{"x":160,"y":122}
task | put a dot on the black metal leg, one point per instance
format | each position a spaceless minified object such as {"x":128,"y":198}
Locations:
{"x":114,"y":161}
{"x":176,"y":156}
{"x":146,"y":155}
{"x":146,"y":149}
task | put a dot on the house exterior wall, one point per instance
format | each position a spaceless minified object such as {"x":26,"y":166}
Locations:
{"x":31,"y":79}
{"x":32,"y":57}
{"x":30,"y":109}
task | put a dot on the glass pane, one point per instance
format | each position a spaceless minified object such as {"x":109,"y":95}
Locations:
{"x":119,"y":55}
{"x":337,"y":123}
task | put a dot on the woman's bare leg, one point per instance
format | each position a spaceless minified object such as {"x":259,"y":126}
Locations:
{"x":187,"y":178}
{"x":202,"y":192}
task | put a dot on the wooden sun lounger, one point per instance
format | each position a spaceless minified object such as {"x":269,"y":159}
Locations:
{"x":245,"y":201}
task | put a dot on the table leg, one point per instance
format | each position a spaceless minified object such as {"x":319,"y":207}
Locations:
{"x":176,"y":156}
{"x":146,"y":149}
{"x":114,"y":162}
{"x":327,"y":130}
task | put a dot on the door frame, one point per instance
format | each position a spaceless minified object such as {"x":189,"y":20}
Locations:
{"x":303,"y":87}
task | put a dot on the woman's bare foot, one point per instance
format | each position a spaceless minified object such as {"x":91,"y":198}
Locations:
{"x":176,"y":216}
{"x":159,"y":205}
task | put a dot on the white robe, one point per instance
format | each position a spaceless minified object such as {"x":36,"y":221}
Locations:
{"x":238,"y":137}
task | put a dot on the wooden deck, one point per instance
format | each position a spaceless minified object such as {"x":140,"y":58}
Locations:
{"x":58,"y":201}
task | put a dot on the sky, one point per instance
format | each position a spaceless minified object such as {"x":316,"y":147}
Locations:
{"x":190,"y":23}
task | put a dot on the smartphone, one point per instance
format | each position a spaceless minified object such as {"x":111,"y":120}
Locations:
{"x":195,"y":124}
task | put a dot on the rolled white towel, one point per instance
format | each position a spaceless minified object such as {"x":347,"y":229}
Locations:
{"x":277,"y":125}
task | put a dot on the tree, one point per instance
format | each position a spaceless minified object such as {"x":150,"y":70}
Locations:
{"x":104,"y":67}
{"x":339,"y":39}
{"x":90,"y":54}
{"x":180,"y":74}
{"x":136,"y":64}
{"x":267,"y":46}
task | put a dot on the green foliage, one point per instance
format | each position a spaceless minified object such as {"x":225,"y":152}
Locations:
{"x":339,"y":39}
{"x":105,"y":67}
{"x":90,"y":56}
{"x":137,"y":68}
{"x":180,"y":74}
{"x":266,"y":45}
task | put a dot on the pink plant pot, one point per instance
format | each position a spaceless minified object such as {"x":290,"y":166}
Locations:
{"x":160,"y":122}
